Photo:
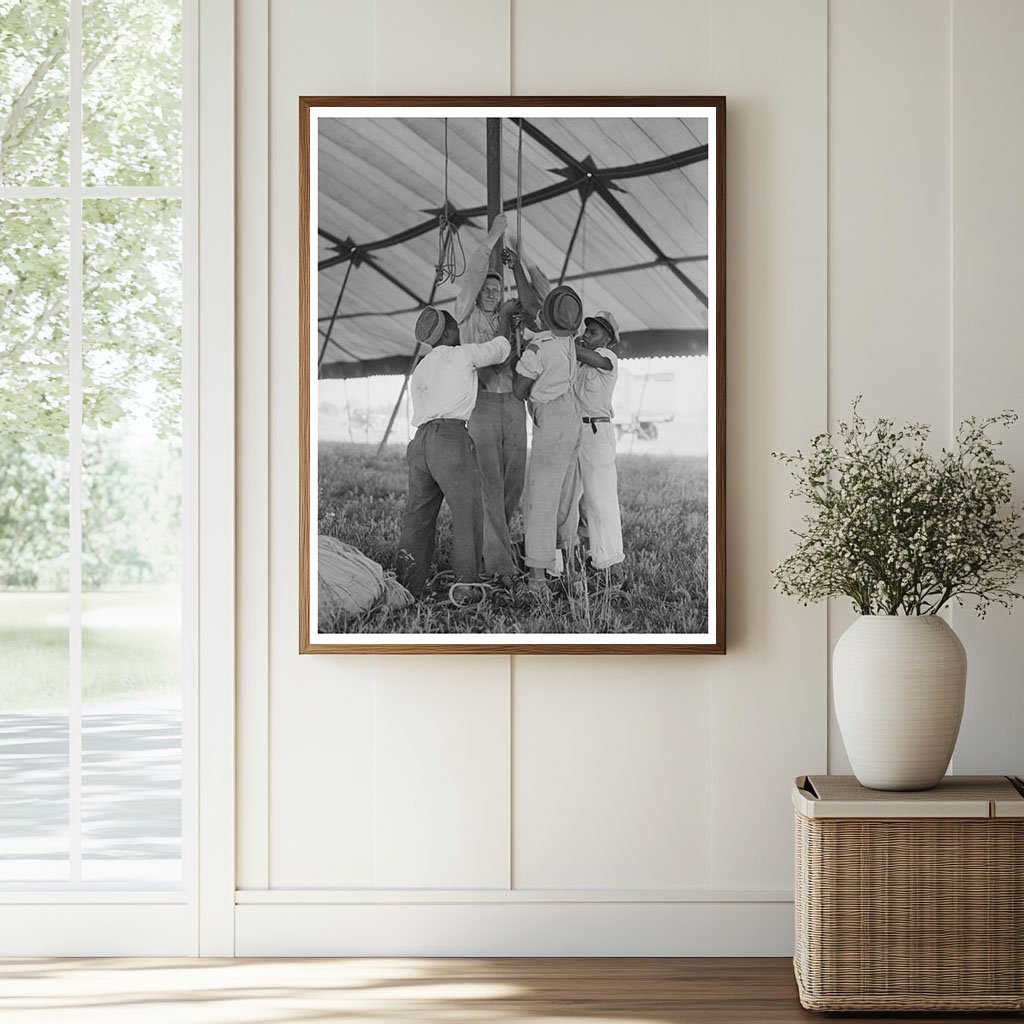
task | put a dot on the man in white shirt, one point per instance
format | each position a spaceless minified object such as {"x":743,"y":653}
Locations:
{"x":441,"y":456}
{"x":597,"y":480}
{"x":546,"y":372}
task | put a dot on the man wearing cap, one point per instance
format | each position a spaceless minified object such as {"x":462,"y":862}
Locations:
{"x":597,"y":480}
{"x":441,"y":456}
{"x":498,"y":423}
{"x":546,"y":373}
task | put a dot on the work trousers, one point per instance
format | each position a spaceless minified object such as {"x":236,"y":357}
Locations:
{"x":597,"y":483}
{"x":551,"y":516}
{"x":442,"y":466}
{"x":498,"y":428}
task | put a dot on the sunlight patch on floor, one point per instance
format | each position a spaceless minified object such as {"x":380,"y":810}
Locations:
{"x":221,"y":991}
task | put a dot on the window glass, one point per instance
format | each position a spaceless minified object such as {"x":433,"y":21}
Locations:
{"x":33,"y":92}
{"x":131,"y":92}
{"x":131,"y":541}
{"x":34,"y":492}
{"x":91,"y":676}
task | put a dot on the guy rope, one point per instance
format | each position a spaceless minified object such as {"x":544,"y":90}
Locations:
{"x":451,"y":257}
{"x":451,"y":265}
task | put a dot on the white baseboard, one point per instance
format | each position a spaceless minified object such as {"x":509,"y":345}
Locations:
{"x":520,"y":928}
{"x":97,"y":929}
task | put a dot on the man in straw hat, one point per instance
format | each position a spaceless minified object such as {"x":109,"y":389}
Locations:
{"x":546,"y":373}
{"x":441,"y":455}
{"x":498,"y":423}
{"x":596,"y":479}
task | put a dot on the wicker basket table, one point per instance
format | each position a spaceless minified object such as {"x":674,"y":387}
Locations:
{"x":910,"y":901}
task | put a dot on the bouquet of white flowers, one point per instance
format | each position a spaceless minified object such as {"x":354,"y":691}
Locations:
{"x":900,"y":530}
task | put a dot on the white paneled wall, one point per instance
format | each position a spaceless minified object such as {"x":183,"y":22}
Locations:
{"x":987,"y":365}
{"x":889,"y":329}
{"x":318,"y":755}
{"x":441,"y":48}
{"x":442,"y":799}
{"x":612,"y":775}
{"x":768,"y":693}
{"x":322,"y":816}
{"x":577,"y":48}
{"x":543,"y":805}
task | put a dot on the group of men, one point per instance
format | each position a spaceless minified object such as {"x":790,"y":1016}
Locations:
{"x":470,"y":394}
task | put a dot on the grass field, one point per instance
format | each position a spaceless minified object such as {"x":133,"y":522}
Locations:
{"x":665,"y":535}
{"x":130,"y":647}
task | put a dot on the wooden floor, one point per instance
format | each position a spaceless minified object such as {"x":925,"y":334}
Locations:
{"x":413,"y":991}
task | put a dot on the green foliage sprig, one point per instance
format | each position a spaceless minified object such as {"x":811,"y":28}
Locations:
{"x":898,"y":529}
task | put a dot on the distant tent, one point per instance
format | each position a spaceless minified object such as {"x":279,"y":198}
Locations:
{"x":618,"y":206}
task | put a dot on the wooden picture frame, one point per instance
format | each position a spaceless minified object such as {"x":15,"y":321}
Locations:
{"x":652,"y":193}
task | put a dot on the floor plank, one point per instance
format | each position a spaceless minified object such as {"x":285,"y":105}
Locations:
{"x":424,"y":991}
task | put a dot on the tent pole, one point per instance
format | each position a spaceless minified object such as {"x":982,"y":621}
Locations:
{"x":334,"y":317}
{"x":584,"y":196}
{"x":348,"y":413}
{"x":398,"y":403}
{"x":494,"y":183}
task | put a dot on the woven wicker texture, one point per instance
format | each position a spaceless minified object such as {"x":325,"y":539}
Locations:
{"x":913,"y":914}
{"x":959,"y":787}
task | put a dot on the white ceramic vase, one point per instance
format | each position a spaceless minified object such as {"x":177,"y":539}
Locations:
{"x":898,"y":684}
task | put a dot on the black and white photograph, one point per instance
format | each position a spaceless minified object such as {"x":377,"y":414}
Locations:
{"x":512,"y":375}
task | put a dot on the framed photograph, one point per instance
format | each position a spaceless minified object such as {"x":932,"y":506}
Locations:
{"x":512,"y":375}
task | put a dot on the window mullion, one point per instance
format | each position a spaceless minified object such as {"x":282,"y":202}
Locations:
{"x":94,"y":191}
{"x":34,"y":192}
{"x":75,"y":302}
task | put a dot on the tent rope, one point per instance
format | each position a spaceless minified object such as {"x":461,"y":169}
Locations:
{"x":451,"y":257}
{"x":507,"y":254}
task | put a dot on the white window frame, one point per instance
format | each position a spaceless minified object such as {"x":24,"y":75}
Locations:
{"x":197,"y":918}
{"x":216,"y":393}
